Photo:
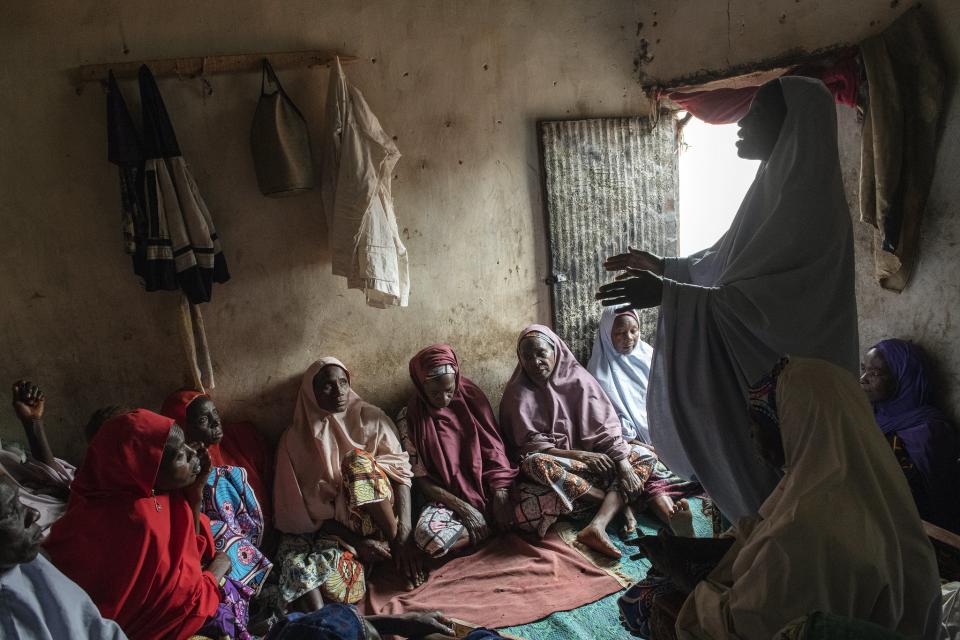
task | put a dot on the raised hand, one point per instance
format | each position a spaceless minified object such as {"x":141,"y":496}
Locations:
{"x":635,"y":259}
{"x":640,"y":290}
{"x":28,"y":401}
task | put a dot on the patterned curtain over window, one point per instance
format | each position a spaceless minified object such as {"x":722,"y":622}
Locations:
{"x":609,"y":183}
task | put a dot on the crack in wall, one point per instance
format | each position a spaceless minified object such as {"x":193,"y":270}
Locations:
{"x":728,"y":32}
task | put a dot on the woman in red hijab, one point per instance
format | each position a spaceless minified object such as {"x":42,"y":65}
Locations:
{"x":133,"y":537}
{"x":458,"y":457}
{"x":237,"y":444}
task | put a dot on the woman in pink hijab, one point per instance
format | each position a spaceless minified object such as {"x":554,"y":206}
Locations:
{"x":341,"y":491}
{"x":458,"y":458}
{"x":568,"y":437}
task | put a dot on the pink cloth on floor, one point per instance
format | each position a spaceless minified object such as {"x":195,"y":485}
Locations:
{"x":507,"y":582}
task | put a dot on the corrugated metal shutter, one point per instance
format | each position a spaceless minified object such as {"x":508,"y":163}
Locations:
{"x":609,"y":183}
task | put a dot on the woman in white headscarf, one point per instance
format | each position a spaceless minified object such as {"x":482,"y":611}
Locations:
{"x":620,"y":361}
{"x":341,"y":491}
{"x":780,"y":280}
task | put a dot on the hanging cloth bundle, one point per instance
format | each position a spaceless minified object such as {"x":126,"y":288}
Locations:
{"x":358,"y":158}
{"x":167,"y":227}
{"x":280,"y":141}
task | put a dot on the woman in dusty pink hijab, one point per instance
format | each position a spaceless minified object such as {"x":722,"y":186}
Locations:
{"x":342,"y":490}
{"x":568,"y":437}
{"x":457,"y":455}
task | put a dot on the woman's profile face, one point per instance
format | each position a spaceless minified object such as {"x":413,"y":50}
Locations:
{"x":203,"y":422}
{"x":625,"y":334}
{"x":760,"y":128}
{"x":876,"y":379}
{"x":538,"y":358}
{"x":440,"y":389}
{"x":180,"y":464}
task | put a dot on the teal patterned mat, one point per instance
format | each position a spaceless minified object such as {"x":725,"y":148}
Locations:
{"x":600,"y":620}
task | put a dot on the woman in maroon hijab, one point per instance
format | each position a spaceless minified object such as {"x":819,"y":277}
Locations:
{"x":458,"y":457}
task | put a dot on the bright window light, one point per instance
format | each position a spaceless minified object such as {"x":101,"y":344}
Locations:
{"x":713,"y":181}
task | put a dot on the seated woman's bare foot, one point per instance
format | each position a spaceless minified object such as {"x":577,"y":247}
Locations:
{"x":596,"y":538}
{"x":681,"y":520}
{"x":629,"y":522}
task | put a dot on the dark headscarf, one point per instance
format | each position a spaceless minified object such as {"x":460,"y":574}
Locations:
{"x":927,"y":435}
{"x":910,"y":404}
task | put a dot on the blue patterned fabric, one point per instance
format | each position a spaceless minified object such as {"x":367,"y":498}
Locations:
{"x":237,"y":524}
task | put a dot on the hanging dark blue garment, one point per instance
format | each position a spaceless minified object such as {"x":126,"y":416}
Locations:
{"x":167,"y":227}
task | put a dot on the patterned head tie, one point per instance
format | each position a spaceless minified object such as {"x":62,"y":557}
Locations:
{"x":442,"y":370}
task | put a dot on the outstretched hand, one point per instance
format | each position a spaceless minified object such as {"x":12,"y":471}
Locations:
{"x":635,"y":259}
{"x":636,"y":289}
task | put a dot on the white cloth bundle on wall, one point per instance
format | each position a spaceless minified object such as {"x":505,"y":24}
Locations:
{"x":357,"y":159}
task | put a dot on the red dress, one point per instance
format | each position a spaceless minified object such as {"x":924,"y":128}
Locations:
{"x":136,"y":554}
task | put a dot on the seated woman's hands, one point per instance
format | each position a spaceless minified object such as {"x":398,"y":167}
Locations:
{"x":408,"y":560}
{"x":502,"y":510}
{"x":220,"y":565}
{"x":598,"y":463}
{"x":630,"y":482}
{"x":473,"y":520}
{"x":371,"y":551}
{"x":194,"y":492}
{"x":635,"y":259}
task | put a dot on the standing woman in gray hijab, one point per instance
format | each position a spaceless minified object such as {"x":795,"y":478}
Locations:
{"x":779,"y":281}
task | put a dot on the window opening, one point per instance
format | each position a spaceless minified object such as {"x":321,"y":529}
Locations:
{"x":713,"y":182}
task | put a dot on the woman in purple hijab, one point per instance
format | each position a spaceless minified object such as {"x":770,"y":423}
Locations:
{"x":568,"y":437}
{"x":925,"y":443}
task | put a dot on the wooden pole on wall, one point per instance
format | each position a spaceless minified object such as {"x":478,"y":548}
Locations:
{"x":207,"y":65}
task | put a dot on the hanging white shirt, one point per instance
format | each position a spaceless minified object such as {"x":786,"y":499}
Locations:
{"x":358,"y":158}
